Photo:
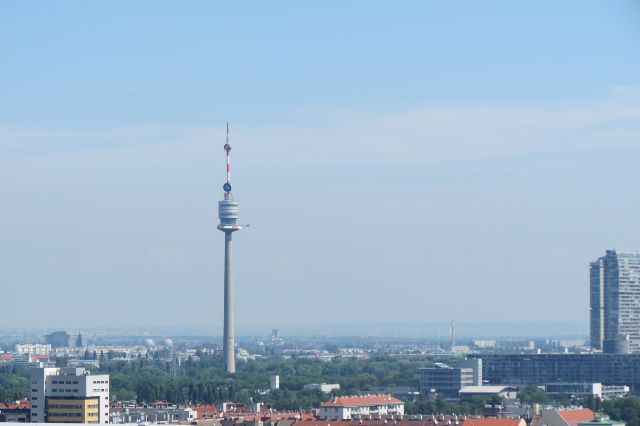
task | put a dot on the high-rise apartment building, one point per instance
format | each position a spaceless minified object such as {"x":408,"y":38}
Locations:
{"x":68,"y":395}
{"x":615,"y":302}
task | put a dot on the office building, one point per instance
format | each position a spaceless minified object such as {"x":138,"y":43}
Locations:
{"x":449,"y":380}
{"x":541,"y":369}
{"x":68,"y":395}
{"x":58,"y":339}
{"x":615,"y":302}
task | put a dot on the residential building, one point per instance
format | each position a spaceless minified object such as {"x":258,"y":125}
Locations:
{"x":68,"y":395}
{"x":33,"y":349}
{"x":414,"y":420}
{"x":602,"y":420}
{"x":494,"y":422}
{"x":615,"y":302}
{"x":353,"y":407}
{"x":18,"y":412}
{"x":570,"y":417}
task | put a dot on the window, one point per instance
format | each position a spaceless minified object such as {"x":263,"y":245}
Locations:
{"x":34,"y":414}
{"x":75,"y":382}
{"x":55,"y":382}
{"x":34,"y":390}
{"x":34,"y":406}
{"x":54,"y":390}
{"x":34,"y":398}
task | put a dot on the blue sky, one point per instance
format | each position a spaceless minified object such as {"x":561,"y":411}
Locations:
{"x":391,"y":157}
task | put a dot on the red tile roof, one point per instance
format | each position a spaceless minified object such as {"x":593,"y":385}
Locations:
{"x":34,"y":357}
{"x":360,"y":401}
{"x":17,"y":405}
{"x":491,"y":422}
{"x":205,"y":411}
{"x":573,"y":417}
{"x":406,"y":420}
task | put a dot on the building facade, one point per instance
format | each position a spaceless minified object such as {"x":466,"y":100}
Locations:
{"x":449,"y":380}
{"x":541,"y":369}
{"x":68,"y":395}
{"x":615,"y":302}
{"x":353,"y":407}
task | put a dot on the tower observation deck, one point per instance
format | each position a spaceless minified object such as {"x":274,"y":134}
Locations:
{"x":228,"y":214}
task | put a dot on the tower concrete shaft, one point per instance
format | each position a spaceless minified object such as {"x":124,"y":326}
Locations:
{"x":228,"y":345}
{"x":228,"y":214}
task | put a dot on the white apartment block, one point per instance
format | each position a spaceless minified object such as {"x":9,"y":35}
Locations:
{"x":33,"y":349}
{"x":353,"y":407}
{"x":68,"y":395}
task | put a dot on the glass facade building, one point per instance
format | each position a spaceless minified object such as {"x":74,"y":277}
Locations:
{"x":615,"y":302}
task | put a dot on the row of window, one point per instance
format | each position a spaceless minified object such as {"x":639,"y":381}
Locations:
{"x":65,"y":406}
{"x":62,"y":382}
{"x":95,"y":382}
{"x":63,"y":390}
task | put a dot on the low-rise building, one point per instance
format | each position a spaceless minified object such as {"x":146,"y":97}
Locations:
{"x":568,"y":417}
{"x":351,"y":407}
{"x":323,"y":387}
{"x":18,"y":412}
{"x":585,"y":389}
{"x":501,"y":391}
{"x":601,"y":420}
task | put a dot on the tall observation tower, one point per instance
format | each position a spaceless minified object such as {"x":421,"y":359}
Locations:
{"x":228,"y":214}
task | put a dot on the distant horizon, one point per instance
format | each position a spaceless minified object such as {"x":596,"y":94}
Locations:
{"x":408,"y":330}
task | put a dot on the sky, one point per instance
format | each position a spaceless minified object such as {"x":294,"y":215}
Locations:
{"x":412,"y":161}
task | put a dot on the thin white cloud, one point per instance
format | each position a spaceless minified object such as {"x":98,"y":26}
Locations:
{"x":421,"y":135}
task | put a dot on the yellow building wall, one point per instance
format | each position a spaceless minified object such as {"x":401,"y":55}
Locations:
{"x":73,"y":410}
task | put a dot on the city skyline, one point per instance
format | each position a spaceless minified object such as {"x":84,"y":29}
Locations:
{"x":427,"y":152}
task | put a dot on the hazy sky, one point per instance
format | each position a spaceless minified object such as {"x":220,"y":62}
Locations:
{"x":398,"y":161}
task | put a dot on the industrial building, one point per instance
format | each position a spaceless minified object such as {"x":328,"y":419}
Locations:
{"x":68,"y":395}
{"x":614,"y":300}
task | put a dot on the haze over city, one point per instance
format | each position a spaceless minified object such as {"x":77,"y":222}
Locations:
{"x":398,"y":162}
